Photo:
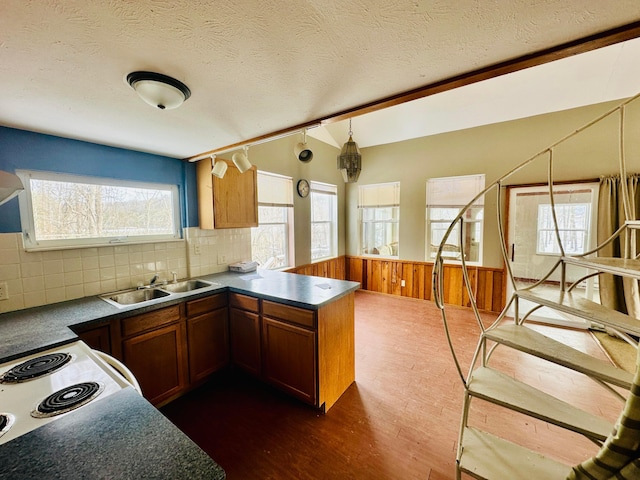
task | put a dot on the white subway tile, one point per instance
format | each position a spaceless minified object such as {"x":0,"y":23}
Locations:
{"x":121,"y":259}
{"x":72,"y":264}
{"x":52,"y":266}
{"x":107,"y":273}
{"x":31,"y":269}
{"x":89,"y":263}
{"x":35,"y":299}
{"x":73,"y":278}
{"x":92,"y":288}
{"x":9,"y":256}
{"x":91,"y":276}
{"x":9,"y":241}
{"x":8,"y":272}
{"x":54,"y":295}
{"x":74,"y":291}
{"x":107,"y":261}
{"x":54,"y":280}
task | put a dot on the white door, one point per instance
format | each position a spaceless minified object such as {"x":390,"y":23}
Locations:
{"x":533,"y":244}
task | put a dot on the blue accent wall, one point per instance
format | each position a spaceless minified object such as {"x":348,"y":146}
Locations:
{"x":21,"y":149}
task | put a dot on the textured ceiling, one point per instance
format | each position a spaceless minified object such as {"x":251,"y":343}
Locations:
{"x":255,"y":67}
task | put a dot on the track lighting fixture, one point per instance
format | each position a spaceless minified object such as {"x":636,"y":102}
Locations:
{"x":241,"y":160}
{"x":219,"y":167}
{"x":302,"y":150}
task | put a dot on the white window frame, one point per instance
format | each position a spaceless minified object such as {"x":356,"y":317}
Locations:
{"x":325,"y":190}
{"x":280,"y":195}
{"x":445,"y":193}
{"x":373,"y":197}
{"x":550,"y":230}
{"x":28,"y":222}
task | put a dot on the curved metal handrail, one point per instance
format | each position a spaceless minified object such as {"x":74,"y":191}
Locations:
{"x":438,"y":267}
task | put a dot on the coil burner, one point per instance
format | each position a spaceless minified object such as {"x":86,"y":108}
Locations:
{"x":36,"y":367}
{"x":6,"y":422}
{"x":67,"y":399}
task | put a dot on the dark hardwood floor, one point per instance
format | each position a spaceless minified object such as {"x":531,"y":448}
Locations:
{"x":399,"y":420}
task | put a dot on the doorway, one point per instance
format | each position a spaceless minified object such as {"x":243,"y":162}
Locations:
{"x":534,"y":248}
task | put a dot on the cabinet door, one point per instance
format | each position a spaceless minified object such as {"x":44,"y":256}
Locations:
{"x":156,"y":360}
{"x":231,"y":202}
{"x":98,"y":338}
{"x":208,"y":343}
{"x":245,"y":340}
{"x":289,"y":356}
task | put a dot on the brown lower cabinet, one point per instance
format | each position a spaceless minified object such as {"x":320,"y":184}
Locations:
{"x":244,"y":330}
{"x":153,"y":349}
{"x":309,"y":354}
{"x":207,"y":336}
{"x":290,"y":358}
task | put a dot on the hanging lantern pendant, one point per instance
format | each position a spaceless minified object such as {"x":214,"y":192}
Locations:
{"x":350,"y":160}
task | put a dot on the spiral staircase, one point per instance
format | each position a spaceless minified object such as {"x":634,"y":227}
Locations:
{"x":483,"y":455}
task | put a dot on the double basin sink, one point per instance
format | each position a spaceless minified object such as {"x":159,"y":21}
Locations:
{"x":142,"y":295}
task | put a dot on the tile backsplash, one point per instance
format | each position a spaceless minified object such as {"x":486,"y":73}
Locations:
{"x":39,"y":278}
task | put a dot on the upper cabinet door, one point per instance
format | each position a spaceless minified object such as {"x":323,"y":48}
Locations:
{"x":228,"y":202}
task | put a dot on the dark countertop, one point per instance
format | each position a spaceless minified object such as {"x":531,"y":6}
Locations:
{"x":120,"y":437}
{"x":36,"y":329}
{"x":129,"y":438}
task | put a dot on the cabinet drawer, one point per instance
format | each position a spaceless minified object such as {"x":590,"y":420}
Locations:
{"x":296,"y":315}
{"x":206,"y":304}
{"x":149,"y":321}
{"x":244,"y":302}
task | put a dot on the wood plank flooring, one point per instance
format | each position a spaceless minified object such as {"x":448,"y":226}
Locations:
{"x":399,"y":420}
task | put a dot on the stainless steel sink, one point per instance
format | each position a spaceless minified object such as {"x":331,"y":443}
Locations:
{"x":139,"y":296}
{"x":133,"y":297}
{"x":186,"y":286}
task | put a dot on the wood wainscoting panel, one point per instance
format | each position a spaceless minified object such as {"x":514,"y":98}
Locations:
{"x":331,"y":268}
{"x":385,"y":275}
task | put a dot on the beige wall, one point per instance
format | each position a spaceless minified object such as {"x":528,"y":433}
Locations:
{"x":278,"y":157}
{"x":46,"y":277}
{"x":493,"y":150}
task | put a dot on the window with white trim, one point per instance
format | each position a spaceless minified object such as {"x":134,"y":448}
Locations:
{"x":71,"y":211}
{"x":573,"y":228}
{"x":272,"y":239}
{"x":446,"y":197}
{"x":379,"y":213}
{"x":324,"y":221}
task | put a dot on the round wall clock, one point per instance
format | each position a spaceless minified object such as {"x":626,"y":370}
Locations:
{"x":303,"y":188}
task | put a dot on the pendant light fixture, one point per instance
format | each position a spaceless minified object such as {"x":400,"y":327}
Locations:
{"x":302,"y":151}
{"x":159,"y":90}
{"x":350,"y":160}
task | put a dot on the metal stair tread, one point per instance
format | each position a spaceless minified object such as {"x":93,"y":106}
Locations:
{"x":627,"y":267}
{"x":487,"y":457}
{"x":496,"y":387}
{"x":534,"y":343}
{"x":581,"y":307}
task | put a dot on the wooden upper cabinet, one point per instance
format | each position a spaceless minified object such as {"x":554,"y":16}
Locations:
{"x":229,"y":202}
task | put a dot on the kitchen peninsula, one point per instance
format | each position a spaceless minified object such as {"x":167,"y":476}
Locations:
{"x":314,"y":314}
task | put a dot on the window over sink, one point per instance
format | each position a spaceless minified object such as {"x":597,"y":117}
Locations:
{"x":70,"y":211}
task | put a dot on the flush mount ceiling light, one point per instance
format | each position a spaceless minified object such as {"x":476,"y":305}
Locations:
{"x":302,"y":151}
{"x":241,"y":160}
{"x":159,"y":90}
{"x":350,"y":160}
{"x":219,"y":167}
